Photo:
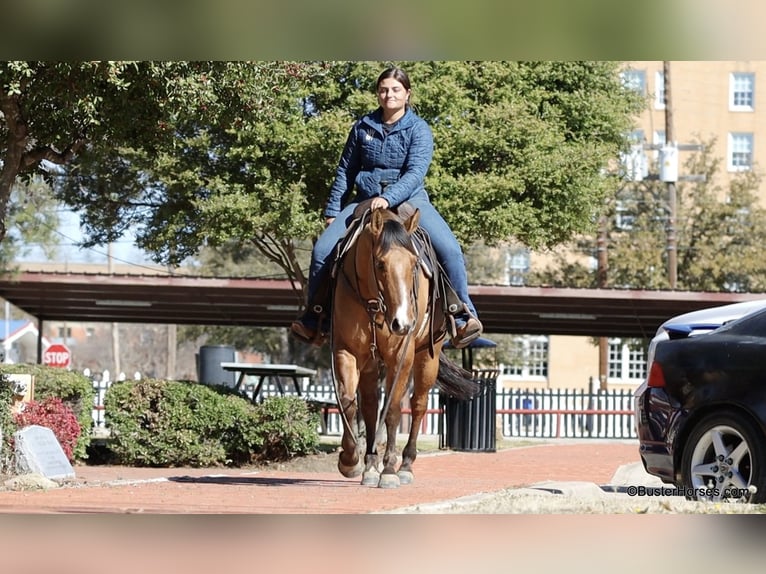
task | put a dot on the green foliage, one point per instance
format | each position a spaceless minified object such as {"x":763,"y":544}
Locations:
{"x":7,"y":425}
{"x":251,"y":151}
{"x":286,"y":428}
{"x":75,"y":391}
{"x":171,"y":423}
{"x":109,"y":121}
{"x":720,"y":233}
{"x":520,"y":146}
{"x":32,"y":222}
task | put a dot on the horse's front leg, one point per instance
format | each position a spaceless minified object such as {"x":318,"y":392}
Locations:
{"x":424,"y":376}
{"x":369,"y":396}
{"x":389,"y":477}
{"x":347,"y":380}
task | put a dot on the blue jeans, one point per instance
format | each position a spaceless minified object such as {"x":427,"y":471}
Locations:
{"x":443,"y":240}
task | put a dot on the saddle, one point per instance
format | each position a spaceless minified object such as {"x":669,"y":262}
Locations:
{"x":443,"y":302}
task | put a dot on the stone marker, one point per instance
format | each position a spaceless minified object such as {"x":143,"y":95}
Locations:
{"x":38,"y":450}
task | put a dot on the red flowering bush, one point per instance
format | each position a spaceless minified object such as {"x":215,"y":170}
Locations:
{"x":55,"y":415}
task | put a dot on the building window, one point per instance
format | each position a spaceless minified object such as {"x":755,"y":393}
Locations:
{"x":741,"y":92}
{"x":740,"y":151}
{"x":518,"y":266}
{"x":660,"y":98}
{"x":625,"y":214}
{"x":64,"y":332}
{"x":635,"y":80}
{"x":626,"y":361}
{"x":529,"y":358}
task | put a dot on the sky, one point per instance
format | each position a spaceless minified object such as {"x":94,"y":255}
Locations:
{"x":123,"y":251}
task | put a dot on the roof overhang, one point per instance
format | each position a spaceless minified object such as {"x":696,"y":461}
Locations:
{"x":186,"y":300}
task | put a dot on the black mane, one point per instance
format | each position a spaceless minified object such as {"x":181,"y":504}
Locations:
{"x":394,"y":233}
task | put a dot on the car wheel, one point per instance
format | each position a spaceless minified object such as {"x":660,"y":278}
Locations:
{"x":725,"y":459}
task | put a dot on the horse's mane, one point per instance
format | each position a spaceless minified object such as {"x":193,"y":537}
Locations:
{"x":394,"y":233}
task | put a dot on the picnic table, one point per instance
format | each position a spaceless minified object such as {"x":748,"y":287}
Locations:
{"x":274,"y":372}
{"x":277,"y":373}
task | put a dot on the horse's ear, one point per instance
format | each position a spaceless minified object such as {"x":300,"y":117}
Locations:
{"x":376,"y":221}
{"x":412,"y":222}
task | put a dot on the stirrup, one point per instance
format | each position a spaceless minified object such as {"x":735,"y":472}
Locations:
{"x":472,"y":330}
{"x":303,"y":334}
{"x":452,"y":311}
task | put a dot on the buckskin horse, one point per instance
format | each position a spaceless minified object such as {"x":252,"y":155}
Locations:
{"x":387,"y":318}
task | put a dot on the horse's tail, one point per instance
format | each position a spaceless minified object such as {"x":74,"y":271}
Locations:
{"x":455,"y":380}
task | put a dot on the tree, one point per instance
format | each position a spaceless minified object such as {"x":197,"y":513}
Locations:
{"x":519,"y":152}
{"x":59,"y":116}
{"x":32,"y":221}
{"x":720,"y":235}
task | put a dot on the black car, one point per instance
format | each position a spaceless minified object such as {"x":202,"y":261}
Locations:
{"x":701,"y":412}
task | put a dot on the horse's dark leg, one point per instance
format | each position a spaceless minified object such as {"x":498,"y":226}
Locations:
{"x":424,"y":375}
{"x":388,"y":476}
{"x":368,"y":392}
{"x":349,"y":464}
{"x":410,"y":450}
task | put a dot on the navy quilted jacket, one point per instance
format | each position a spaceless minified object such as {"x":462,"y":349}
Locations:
{"x":393,"y":165}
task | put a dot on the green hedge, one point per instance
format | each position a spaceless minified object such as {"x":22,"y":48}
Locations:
{"x":179,"y":423}
{"x":7,"y":427}
{"x":74,"y":389}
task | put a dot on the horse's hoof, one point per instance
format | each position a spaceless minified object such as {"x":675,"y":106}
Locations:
{"x":388,"y":481}
{"x":405,"y":477}
{"x":350,"y":471}
{"x":370,"y":478}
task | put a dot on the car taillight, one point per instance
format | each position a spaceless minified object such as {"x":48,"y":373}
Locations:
{"x":656,"y":377}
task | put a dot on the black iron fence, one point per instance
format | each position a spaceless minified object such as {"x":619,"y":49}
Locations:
{"x":566,"y":413}
{"x":519,"y":413}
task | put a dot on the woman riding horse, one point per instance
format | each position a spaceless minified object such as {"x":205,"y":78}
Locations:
{"x":386,"y":157}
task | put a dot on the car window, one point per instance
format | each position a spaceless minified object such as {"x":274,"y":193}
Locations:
{"x":752,"y":324}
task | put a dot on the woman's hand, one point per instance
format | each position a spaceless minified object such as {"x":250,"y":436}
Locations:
{"x":379,"y":203}
{"x":328,"y":221}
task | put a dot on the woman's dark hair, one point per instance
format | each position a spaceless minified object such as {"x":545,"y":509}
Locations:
{"x":397,"y":74}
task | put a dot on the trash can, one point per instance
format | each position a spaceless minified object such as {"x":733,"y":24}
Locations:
{"x":469,"y":425}
{"x":209,"y":365}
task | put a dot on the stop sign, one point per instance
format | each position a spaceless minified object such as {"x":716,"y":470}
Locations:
{"x":57,"y":355}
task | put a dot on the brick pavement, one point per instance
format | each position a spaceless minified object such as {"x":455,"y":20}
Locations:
{"x":439,"y":476}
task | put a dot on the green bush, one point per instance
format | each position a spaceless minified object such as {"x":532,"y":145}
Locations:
{"x":285,"y":427}
{"x":7,"y":426}
{"x":173,"y":423}
{"x":74,"y":389}
{"x":176,"y":423}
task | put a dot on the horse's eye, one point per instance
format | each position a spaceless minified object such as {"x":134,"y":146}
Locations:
{"x":379,"y":265}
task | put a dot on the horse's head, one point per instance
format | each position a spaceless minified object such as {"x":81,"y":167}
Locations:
{"x":395,"y":267}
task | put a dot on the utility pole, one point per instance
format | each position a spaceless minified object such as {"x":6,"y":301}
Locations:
{"x":172,"y":345}
{"x":115,"y":326}
{"x":601,"y":282}
{"x":671,"y":184}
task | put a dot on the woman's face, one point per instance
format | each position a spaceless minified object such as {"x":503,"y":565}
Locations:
{"x":392,"y":96}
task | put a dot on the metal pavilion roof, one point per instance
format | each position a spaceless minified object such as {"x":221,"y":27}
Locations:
{"x":180,"y":299}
